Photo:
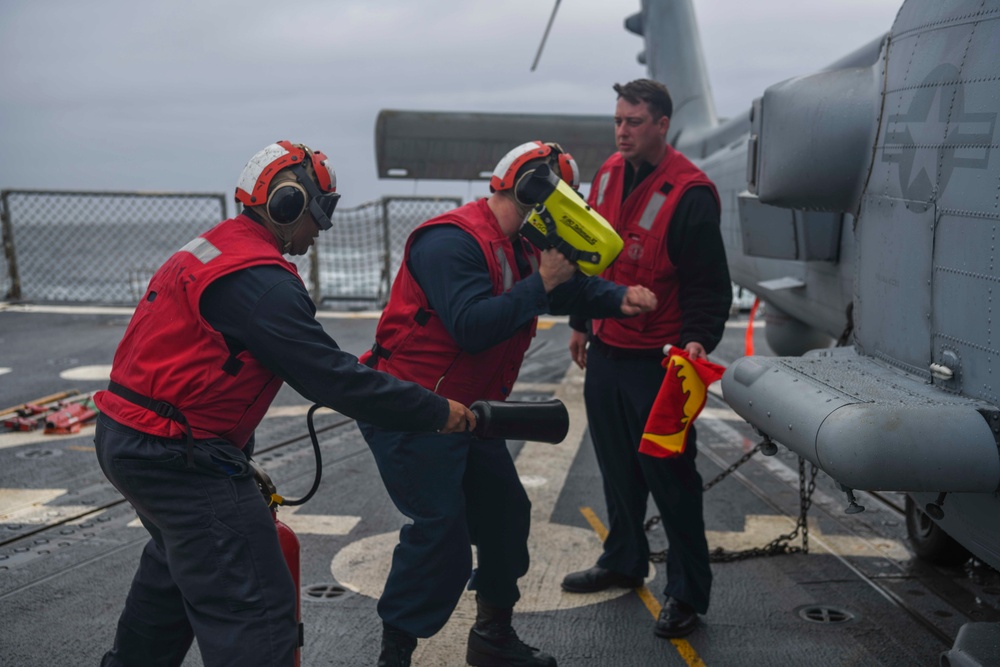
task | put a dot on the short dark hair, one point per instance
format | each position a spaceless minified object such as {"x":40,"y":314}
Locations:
{"x":651,"y":92}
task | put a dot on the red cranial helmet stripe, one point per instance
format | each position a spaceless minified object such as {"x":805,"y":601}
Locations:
{"x":255,"y":181}
{"x":325,"y":174}
{"x":505,"y":175}
{"x":284,"y":181}
{"x":568,"y":169}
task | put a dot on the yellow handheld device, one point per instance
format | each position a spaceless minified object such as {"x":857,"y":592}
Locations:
{"x":561,"y":219}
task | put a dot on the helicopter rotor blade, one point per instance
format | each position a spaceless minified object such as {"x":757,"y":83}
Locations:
{"x":546,"y":35}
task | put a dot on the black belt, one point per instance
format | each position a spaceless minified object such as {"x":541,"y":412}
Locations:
{"x":624,"y":353}
{"x":162,"y":408}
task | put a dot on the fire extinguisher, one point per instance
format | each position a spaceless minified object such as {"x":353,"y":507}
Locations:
{"x":287,"y":539}
{"x":290,"y":550}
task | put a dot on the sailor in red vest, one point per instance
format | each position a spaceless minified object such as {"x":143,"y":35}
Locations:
{"x":461,"y":314}
{"x":667,"y":212}
{"x":224,"y":321}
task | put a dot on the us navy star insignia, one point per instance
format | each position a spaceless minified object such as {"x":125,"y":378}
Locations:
{"x":928,"y":147}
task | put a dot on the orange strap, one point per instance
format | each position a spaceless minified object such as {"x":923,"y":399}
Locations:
{"x":749,"y":335}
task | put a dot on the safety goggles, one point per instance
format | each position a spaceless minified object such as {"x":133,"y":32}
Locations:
{"x":321,"y":204}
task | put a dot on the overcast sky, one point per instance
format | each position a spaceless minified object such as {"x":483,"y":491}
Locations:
{"x":176,"y":96}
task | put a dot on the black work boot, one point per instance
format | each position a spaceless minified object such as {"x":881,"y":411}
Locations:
{"x":397,"y":647}
{"x":493,"y":642}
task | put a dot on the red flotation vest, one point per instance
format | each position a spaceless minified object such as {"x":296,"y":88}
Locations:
{"x":171,"y":355}
{"x":642,"y":220}
{"x":412,"y":343}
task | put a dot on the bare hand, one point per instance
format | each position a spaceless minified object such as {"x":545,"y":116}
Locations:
{"x":638,"y":299}
{"x":460,"y":418}
{"x":696,"y":350}
{"x":578,"y":348}
{"x":555,"y":269}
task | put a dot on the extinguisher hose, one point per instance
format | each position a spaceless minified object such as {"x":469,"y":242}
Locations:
{"x":319,"y":459}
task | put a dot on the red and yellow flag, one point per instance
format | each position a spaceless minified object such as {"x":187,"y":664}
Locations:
{"x":679,"y":401}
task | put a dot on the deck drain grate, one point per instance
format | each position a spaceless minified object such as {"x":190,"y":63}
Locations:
{"x":323,"y":592}
{"x":825,"y":614}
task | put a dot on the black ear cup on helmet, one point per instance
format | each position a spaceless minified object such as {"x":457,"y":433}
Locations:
{"x":287,"y":203}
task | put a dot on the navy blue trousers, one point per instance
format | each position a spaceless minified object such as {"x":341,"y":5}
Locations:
{"x":619,"y":395}
{"x":212,"y":569}
{"x":458,"y":492}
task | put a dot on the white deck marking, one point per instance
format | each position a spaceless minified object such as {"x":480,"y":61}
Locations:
{"x":546,"y":320}
{"x":317,"y":524}
{"x":38,"y":436}
{"x":4,"y":371}
{"x":307,"y":524}
{"x":87,"y":373}
{"x":17,"y":500}
{"x":291,"y":411}
{"x":742,"y":324}
{"x":30,"y":506}
{"x":68,"y":310}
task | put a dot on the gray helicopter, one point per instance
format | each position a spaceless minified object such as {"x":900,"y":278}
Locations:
{"x":861,"y":203}
{"x":882,"y":166}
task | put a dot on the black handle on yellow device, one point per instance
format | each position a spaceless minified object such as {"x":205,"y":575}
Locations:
{"x":537,"y":421}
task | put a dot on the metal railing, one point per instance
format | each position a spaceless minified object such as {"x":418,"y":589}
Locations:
{"x":103,"y":247}
{"x":356,"y":260}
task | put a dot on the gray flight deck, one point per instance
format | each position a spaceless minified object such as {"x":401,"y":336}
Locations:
{"x":69,"y":545}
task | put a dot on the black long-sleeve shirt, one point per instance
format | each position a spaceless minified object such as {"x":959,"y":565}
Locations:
{"x":449,"y":266}
{"x":267,"y":311}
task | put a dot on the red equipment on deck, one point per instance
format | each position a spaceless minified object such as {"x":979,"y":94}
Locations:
{"x":57,"y":414}
{"x":70,"y":418}
{"x":290,"y":549}
{"x":289,"y":543}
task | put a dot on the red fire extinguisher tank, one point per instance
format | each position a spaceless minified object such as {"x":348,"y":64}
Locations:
{"x":290,"y":549}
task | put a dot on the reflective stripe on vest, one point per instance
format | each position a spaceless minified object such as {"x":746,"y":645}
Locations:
{"x":506,"y":271}
{"x":652,"y":210}
{"x":429,"y":354}
{"x":202,"y":249}
{"x":602,"y":186}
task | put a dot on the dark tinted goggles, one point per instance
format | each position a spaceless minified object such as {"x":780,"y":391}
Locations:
{"x":321,"y":204}
{"x":322,"y":208}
